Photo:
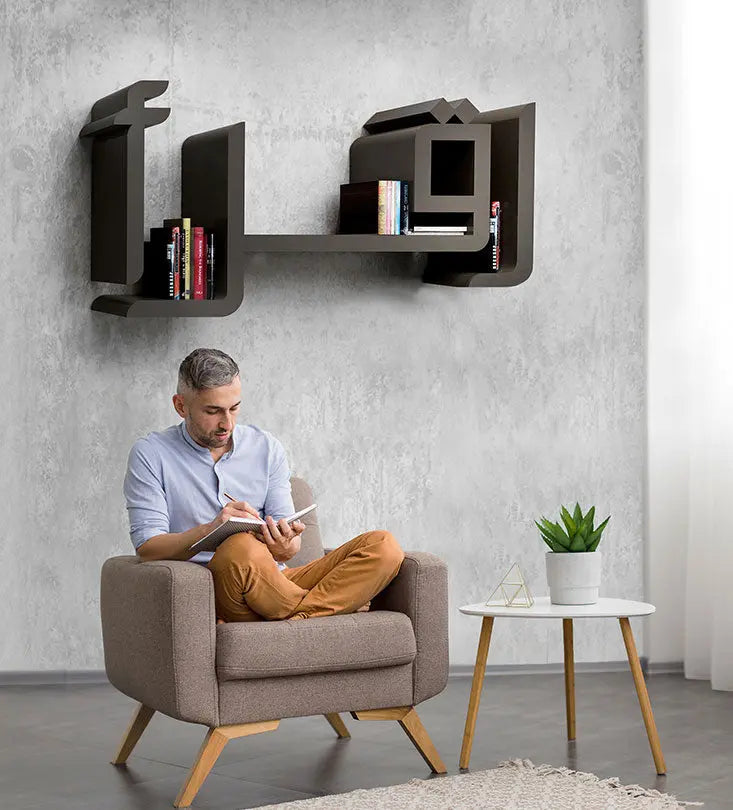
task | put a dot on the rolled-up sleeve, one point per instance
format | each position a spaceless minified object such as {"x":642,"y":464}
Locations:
{"x":279,"y":500}
{"x":147,"y":508}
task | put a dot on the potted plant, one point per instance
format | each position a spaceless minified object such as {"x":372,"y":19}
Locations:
{"x":573,"y":562}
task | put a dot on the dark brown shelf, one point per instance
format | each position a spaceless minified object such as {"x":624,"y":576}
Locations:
{"x":138,"y":306}
{"x":456,"y":160}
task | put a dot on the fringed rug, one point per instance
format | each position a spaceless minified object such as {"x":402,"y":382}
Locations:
{"x":514,"y":785}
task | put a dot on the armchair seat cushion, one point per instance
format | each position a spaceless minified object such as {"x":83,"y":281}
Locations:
{"x":247,"y":650}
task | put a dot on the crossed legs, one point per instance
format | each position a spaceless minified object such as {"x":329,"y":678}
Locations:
{"x":248,"y":586}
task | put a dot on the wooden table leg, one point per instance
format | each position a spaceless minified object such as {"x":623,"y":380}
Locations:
{"x":479,"y":670}
{"x":567,"y":639}
{"x":641,"y":691}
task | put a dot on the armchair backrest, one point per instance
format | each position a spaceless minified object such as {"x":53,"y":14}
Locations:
{"x":311,"y":546}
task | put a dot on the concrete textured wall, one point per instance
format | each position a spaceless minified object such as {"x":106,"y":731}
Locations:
{"x":451,"y":417}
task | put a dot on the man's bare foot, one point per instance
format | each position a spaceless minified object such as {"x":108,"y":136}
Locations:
{"x":220,"y":621}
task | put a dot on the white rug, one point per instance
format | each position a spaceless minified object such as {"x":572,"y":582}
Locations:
{"x":515,"y":785}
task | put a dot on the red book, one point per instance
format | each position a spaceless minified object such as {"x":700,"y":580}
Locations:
{"x":199,"y":264}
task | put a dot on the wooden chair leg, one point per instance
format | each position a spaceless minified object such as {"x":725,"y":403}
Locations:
{"x":338,"y":725}
{"x":479,"y":670}
{"x":567,"y":638}
{"x":411,"y":724}
{"x":138,"y":724}
{"x":212,"y":746}
{"x":643,"y":695}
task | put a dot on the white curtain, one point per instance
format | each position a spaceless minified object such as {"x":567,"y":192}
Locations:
{"x":708,"y":256}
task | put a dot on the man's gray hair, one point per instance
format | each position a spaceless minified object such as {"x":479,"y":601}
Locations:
{"x":206,"y":368}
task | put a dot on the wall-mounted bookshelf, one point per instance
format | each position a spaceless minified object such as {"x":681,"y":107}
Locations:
{"x":455,"y":159}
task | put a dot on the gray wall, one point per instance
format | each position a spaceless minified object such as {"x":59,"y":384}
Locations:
{"x":451,"y":417}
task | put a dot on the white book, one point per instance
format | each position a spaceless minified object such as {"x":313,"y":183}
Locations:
{"x":213,"y":539}
{"x":440,"y":228}
{"x":436,"y":233}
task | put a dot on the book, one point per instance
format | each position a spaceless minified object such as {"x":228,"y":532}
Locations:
{"x":176,"y":263}
{"x":397,"y":206}
{"x":449,"y":229}
{"x":213,"y":539}
{"x":363,"y":207}
{"x":381,"y":208}
{"x":405,"y":207}
{"x":170,"y":263}
{"x":435,"y":233}
{"x":210,"y":265}
{"x":159,"y":264}
{"x":390,"y":207}
{"x":495,"y":236}
{"x":184,"y":224}
{"x":199,"y":265}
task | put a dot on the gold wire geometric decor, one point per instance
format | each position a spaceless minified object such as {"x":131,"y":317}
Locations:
{"x":512,"y":591}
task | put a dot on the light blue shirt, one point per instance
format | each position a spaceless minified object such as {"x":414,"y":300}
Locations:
{"x":173,"y":484}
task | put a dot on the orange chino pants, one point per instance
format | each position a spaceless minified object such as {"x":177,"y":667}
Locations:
{"x":249,"y":587}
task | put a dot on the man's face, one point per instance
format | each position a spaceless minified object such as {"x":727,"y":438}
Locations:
{"x":210,"y":414}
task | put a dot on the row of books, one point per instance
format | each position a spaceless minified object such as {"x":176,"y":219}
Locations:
{"x":180,"y":261}
{"x":383,"y":207}
{"x":375,"y":206}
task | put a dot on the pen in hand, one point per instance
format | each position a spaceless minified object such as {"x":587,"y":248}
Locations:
{"x":227,"y":495}
{"x":250,"y":508}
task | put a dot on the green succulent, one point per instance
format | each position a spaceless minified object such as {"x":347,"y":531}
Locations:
{"x":578,"y":533}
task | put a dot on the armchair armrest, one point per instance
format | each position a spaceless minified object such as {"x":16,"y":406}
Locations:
{"x":159,"y":635}
{"x":420,"y":590}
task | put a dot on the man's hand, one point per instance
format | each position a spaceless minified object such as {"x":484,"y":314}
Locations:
{"x":239,"y":509}
{"x":282,"y":539}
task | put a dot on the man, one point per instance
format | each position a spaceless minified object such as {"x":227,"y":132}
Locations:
{"x":177,"y":486}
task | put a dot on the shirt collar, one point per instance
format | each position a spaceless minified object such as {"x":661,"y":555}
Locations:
{"x":196,"y":446}
{"x":187,"y":438}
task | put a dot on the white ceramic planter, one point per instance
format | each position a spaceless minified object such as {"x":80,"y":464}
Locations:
{"x":574,"y":577}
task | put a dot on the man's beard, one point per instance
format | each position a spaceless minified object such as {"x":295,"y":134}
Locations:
{"x":211,"y":440}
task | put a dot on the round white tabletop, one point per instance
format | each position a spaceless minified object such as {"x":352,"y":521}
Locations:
{"x":543,"y":609}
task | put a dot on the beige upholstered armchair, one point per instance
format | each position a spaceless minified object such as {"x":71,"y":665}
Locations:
{"x":163,"y":648}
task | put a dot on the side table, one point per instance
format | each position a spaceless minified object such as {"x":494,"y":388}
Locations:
{"x":620,"y":609}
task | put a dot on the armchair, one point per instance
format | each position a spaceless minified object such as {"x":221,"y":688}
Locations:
{"x":163,"y":649}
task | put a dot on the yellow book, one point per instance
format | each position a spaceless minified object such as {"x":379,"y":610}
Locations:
{"x":382,"y":207}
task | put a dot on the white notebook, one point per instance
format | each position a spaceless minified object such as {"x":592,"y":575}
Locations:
{"x":211,"y":541}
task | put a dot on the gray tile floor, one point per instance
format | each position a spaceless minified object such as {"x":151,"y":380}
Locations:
{"x":56,"y":743}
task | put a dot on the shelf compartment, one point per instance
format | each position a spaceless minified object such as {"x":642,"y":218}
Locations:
{"x":452,"y":168}
{"x":411,"y":155}
{"x":512,"y":182}
{"x":212,"y":194}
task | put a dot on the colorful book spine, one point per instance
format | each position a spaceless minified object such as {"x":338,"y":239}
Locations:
{"x":199,"y":265}
{"x":169,"y":251}
{"x":390,"y":207}
{"x":210,"y":266}
{"x":398,"y":206}
{"x":382,"y":207}
{"x":405,"y":208}
{"x":495,"y":236}
{"x":187,"y":257}
{"x":184,"y":223}
{"x":176,"y":263}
